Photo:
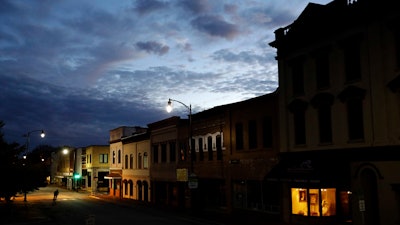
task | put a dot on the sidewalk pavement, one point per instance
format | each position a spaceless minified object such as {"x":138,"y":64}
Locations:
{"x":238,"y":217}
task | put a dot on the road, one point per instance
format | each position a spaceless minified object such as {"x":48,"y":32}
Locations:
{"x":73,"y":208}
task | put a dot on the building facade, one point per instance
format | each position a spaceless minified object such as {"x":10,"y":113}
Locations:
{"x":136,"y":166}
{"x":170,"y":162}
{"x":339,"y":112}
{"x":97,"y":167}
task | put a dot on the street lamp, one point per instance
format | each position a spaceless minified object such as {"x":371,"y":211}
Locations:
{"x":169,"y":109}
{"x":27,"y":135}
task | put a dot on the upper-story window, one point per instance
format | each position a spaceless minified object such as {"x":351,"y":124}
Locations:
{"x":155,"y":153}
{"x":113,"y":160}
{"x":201,"y":149}
{"x":267,"y":132}
{"x":219,"y":147}
{"x":323,"y":102}
{"x":119,"y":156}
{"x":182,"y":151}
{"x":163,"y":153}
{"x":298,"y":108}
{"x":322,"y":69}
{"x":172,"y":151}
{"x":139,"y":162}
{"x":239,"y":136}
{"x":252,"y":134}
{"x":209,"y":145}
{"x":353,"y":98}
{"x":126,"y":162}
{"x":131,"y":161}
{"x":352,"y":59}
{"x":145,"y":161}
{"x":103,"y":158}
{"x":298,"y":77}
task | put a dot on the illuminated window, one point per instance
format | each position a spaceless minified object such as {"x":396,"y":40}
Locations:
{"x":313,"y":202}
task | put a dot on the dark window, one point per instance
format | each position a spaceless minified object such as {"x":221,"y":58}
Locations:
{"x":113,"y":157}
{"x":163,"y":153}
{"x":267,"y":132}
{"x":239,"y":136}
{"x":126,"y":162}
{"x":131,"y":161}
{"x":325,"y":124}
{"x":182,"y":151}
{"x":139,"y":160}
{"x":219,"y":147}
{"x":299,"y":127}
{"x":355,"y":119}
{"x":172,"y":152}
{"x":201,"y":150}
{"x":322,"y":70}
{"x":352,"y":62}
{"x":252,"y":134}
{"x":209,"y":146}
{"x":298,"y":78}
{"x":155,"y":153}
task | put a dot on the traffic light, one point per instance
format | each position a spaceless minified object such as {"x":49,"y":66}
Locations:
{"x":77,"y":176}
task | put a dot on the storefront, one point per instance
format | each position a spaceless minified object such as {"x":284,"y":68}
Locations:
{"x":315,"y":188}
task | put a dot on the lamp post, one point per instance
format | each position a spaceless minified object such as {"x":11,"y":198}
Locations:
{"x":27,"y":135}
{"x":169,"y":109}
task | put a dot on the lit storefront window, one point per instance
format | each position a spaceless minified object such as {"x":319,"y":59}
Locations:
{"x":314,"y":202}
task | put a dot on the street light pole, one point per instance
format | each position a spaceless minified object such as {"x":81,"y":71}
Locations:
{"x":27,"y":135}
{"x":169,"y":109}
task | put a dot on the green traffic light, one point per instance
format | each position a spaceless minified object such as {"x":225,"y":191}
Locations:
{"x":77,"y":176}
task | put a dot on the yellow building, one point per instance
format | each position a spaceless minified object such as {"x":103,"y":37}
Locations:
{"x":97,"y":165}
{"x":136,"y":166}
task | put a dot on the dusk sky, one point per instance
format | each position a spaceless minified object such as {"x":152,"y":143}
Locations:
{"x":80,"y":68}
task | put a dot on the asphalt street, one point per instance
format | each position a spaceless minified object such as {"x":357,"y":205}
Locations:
{"x":75,"y":208}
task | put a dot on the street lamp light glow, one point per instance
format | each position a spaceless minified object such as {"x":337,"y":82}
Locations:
{"x":42,"y":135}
{"x":65,"y":151}
{"x":169,"y":106}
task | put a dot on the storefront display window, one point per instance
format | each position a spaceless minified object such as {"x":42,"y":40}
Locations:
{"x":313,"y":202}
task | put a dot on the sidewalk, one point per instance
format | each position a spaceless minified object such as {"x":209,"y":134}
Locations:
{"x":238,"y":217}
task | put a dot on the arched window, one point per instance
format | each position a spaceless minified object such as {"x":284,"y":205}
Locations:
{"x":139,"y":160}
{"x":131,"y":161}
{"x":126,"y":162}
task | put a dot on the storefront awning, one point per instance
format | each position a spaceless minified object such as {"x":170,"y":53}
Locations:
{"x":113,"y":176}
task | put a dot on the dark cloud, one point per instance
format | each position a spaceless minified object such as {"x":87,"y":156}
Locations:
{"x":215,"y":26}
{"x":74,"y":117}
{"x":195,"y":6}
{"x":153,"y":47}
{"x":147,"y":6}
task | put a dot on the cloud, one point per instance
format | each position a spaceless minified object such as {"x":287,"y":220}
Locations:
{"x":153,"y":47}
{"x":195,"y":6}
{"x":148,"y":6}
{"x":215,"y":26}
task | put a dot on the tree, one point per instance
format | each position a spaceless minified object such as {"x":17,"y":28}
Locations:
{"x":10,"y":166}
{"x":22,"y":175}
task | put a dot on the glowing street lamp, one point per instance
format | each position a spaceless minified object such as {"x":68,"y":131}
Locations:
{"x":169,"y":109}
{"x":27,"y":135}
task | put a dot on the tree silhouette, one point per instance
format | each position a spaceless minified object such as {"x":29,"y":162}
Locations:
{"x":22,"y":175}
